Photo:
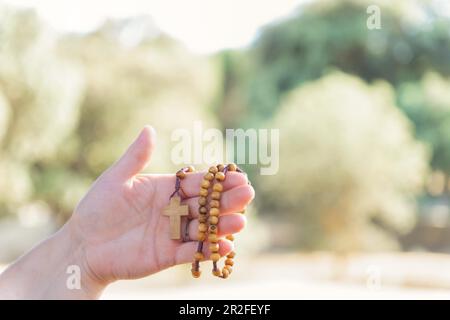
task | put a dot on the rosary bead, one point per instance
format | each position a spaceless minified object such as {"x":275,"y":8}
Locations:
{"x":213,"y":170}
{"x":209,"y":176}
{"x":215,"y":256}
{"x":199,"y":256}
{"x":202,"y":201}
{"x":231,"y":255}
{"x":212,"y":229}
{"x":225,"y":273}
{"x":220,"y":176}
{"x":214,"y":247}
{"x":218,"y":187}
{"x":214,"y":212}
{"x":229,"y":262}
{"x":213,"y":220}
{"x":229,"y":268}
{"x":202,"y":227}
{"x":205,"y":184}
{"x":201,"y":236}
{"x":190,"y":169}
{"x":213,"y":238}
{"x":203,"y":192}
{"x":181,"y":174}
{"x":208,"y":217}
{"x":214,"y":204}
{"x":215,"y":195}
{"x":196,"y":273}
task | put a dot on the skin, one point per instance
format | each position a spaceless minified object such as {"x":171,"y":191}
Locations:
{"x":117,"y":231}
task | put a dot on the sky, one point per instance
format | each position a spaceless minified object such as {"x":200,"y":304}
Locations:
{"x":204,"y":26}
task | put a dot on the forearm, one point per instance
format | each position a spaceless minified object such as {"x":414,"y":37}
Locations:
{"x":54,"y":269}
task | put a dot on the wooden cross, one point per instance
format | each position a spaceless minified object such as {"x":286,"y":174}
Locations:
{"x":175,"y":211}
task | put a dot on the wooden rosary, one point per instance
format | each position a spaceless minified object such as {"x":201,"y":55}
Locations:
{"x":209,"y":211}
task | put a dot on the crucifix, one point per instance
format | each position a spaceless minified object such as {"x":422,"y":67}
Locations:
{"x":175,"y":211}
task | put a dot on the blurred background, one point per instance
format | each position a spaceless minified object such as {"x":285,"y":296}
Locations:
{"x":360,"y":207}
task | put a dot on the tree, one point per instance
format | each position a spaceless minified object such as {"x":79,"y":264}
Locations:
{"x":347,"y":156}
{"x":323,"y":36}
{"x":41,"y":94}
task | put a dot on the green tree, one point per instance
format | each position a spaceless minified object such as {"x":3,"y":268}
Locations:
{"x":348,"y":157}
{"x":332,"y":35}
{"x":41,"y":94}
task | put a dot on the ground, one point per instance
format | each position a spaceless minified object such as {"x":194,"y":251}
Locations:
{"x":303,"y":276}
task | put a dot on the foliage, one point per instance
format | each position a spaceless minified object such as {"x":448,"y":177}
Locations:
{"x":332,"y":35}
{"x":348,"y":157}
{"x":70,"y":106}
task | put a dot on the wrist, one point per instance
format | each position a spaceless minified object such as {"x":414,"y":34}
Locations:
{"x":54,"y":269}
{"x":76,"y":266}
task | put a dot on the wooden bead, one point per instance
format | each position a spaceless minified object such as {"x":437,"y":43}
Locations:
{"x":203,"y":192}
{"x":220,"y":176}
{"x":232,"y":167}
{"x":202,"y":210}
{"x":214,"y":204}
{"x":212,"y":229}
{"x":231,"y":255}
{"x":214,"y":247}
{"x":215,"y":195}
{"x":213,"y":220}
{"x":190,"y":169}
{"x":225,"y":273}
{"x":205,"y":184}
{"x":213,"y":170}
{"x":202,"y":218}
{"x":201,"y":236}
{"x":215,"y":256}
{"x":202,"y":201}
{"x":220,"y":167}
{"x":209,"y":176}
{"x":199,"y":256}
{"x":230,"y":237}
{"x":229,"y":268}
{"x":216,"y":272}
{"x":202,"y":227}
{"x":213,"y":238}
{"x":196,"y":273}
{"x":229,"y":262}
{"x":181,"y":174}
{"x":214,"y":212}
{"x":218,"y":187}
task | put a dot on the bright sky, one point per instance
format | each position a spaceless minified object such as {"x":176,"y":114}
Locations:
{"x":203,"y":25}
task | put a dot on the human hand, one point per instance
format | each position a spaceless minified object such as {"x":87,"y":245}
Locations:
{"x":119,"y":224}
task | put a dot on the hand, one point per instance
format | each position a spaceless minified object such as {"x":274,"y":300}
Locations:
{"x":120,"y":226}
{"x":118,"y":232}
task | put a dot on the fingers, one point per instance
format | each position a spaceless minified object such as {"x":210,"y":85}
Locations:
{"x":229,"y":224}
{"x":136,"y":157}
{"x":185,"y":252}
{"x":234,"y":200}
{"x":191,"y":184}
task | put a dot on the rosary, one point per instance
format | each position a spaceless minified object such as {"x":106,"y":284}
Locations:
{"x":209,"y":210}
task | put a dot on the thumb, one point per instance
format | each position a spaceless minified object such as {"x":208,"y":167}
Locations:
{"x":136,"y":157}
